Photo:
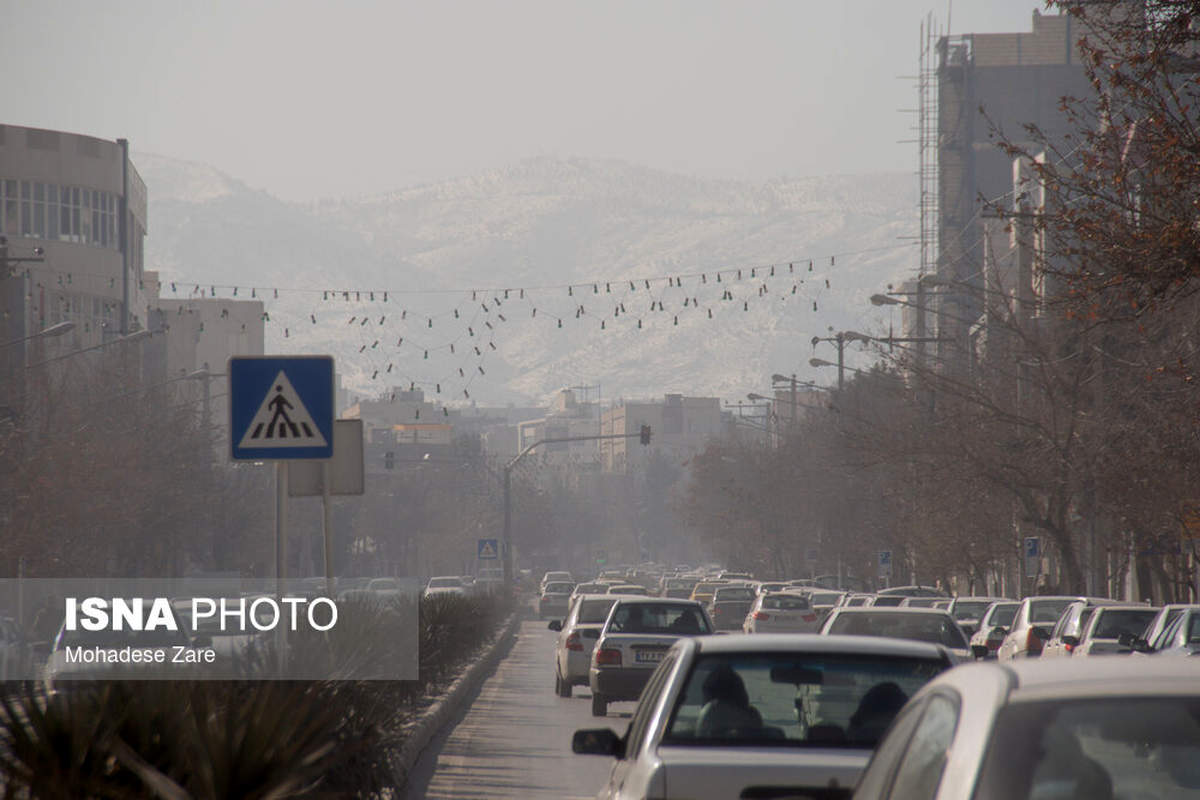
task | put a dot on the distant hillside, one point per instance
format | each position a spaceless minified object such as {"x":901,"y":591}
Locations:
{"x":538,"y":224}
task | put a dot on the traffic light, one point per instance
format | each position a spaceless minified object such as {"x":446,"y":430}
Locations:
{"x":645,"y":437}
{"x":389,"y":460}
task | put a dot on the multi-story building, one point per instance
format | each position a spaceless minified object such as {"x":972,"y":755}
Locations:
{"x":402,"y":427}
{"x":73,"y":217}
{"x":680,"y":427}
{"x":566,"y":418}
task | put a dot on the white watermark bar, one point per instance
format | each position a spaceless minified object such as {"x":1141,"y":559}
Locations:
{"x":61,"y":630}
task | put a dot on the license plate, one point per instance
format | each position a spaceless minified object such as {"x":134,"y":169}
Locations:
{"x":649,"y":656}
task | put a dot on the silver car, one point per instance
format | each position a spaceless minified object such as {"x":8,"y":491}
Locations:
{"x":1093,"y":728}
{"x":762,"y":716}
{"x":577,"y":635}
{"x":917,"y":624}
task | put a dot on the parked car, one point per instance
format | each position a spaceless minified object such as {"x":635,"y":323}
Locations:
{"x":917,"y":624}
{"x":555,"y":599}
{"x":729,"y":606}
{"x":781,"y":612}
{"x":1097,"y":728}
{"x":968,"y":611}
{"x":762,"y":716}
{"x":1036,"y":616}
{"x":576,"y":639}
{"x":634,"y":639}
{"x":444,"y":585}
{"x":993,"y":627}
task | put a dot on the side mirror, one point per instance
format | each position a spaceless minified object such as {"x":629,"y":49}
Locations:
{"x":980,"y":651}
{"x":1040,"y":632}
{"x":555,"y":625}
{"x":598,"y":742}
{"x":1072,"y":641}
{"x":1126,"y":640}
{"x":1141,"y":646}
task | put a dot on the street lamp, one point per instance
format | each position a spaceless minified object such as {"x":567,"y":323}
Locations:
{"x":54,"y":330}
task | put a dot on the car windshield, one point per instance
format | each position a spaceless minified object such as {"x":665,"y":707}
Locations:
{"x":594,"y":612}
{"x":443,"y":583}
{"x":680,"y":583}
{"x":559,"y":588}
{"x":1003,"y":615}
{"x":724,"y":595}
{"x":970,"y":609}
{"x":658,"y":618}
{"x":589,"y":588}
{"x":932,"y":628}
{"x":1115,"y":622}
{"x":824,"y":598}
{"x":1126,"y":747}
{"x":785,"y":602}
{"x":920,"y":602}
{"x":789,"y":699}
{"x":1042,"y":611}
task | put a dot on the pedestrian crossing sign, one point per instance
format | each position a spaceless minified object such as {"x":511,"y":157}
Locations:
{"x":489,"y":549}
{"x":281,"y":407}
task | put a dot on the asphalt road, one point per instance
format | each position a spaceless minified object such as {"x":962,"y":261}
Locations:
{"x":515,"y":739}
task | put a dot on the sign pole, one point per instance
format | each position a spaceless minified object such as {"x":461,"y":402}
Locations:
{"x":327,"y":524}
{"x":281,"y":494}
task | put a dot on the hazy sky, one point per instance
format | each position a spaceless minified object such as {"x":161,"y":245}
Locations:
{"x":308,"y":99}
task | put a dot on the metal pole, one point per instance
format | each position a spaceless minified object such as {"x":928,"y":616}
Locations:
{"x":327,"y":525}
{"x":281,"y":493}
{"x":506,"y":544}
{"x":125,"y":234}
{"x":841,"y":346}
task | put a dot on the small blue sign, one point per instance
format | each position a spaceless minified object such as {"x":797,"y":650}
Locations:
{"x":281,"y":407}
{"x":1033,"y":546}
{"x":489,"y":549}
{"x":885,"y":558}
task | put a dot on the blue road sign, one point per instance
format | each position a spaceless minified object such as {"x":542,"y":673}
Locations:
{"x":1033,"y":546}
{"x":280,"y":407}
{"x":489,"y":549}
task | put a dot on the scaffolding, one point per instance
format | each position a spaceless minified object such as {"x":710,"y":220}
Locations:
{"x":927,"y":126}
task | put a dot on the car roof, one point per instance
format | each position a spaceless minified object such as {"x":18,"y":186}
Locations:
{"x":984,"y":599}
{"x":891,"y":610}
{"x":1053,"y":679}
{"x":629,"y":599}
{"x":813,"y":642}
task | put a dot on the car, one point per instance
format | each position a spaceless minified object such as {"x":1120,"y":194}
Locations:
{"x":1180,"y":638}
{"x":577,"y":636}
{"x":824,"y":600}
{"x":612,"y":575}
{"x":783,"y":716}
{"x":442,"y":586}
{"x":1031,"y":626}
{"x":744,"y":577}
{"x":1113,"y":629}
{"x":557,"y":576}
{"x":593,"y":587}
{"x":895,"y":595}
{"x":766,"y":587}
{"x":968,"y":611}
{"x":626,"y":588}
{"x":678,"y":587}
{"x":1165,"y":616}
{"x":1068,"y":630}
{"x":853,"y":599}
{"x":923,"y":602}
{"x":635,"y":637}
{"x":993,"y":627}
{"x":729,"y":606}
{"x":555,"y":599}
{"x":1097,"y":728}
{"x":703,"y":591}
{"x":781,"y":612}
{"x":930,"y":625}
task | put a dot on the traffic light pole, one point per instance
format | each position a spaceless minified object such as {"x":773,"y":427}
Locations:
{"x":506,"y":543}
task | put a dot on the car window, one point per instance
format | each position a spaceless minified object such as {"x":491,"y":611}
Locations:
{"x":1167,"y":636}
{"x":558,"y":588}
{"x":970,"y":610}
{"x":642,"y":715}
{"x":785,"y":603}
{"x":1042,"y":612}
{"x":883,"y":761}
{"x":1002,"y":616}
{"x":920,"y":770}
{"x":1116,"y":622}
{"x":653,"y":618}
{"x":1193,"y":635}
{"x":932,"y":628}
{"x":1095,"y":748}
{"x":594,"y":612}
{"x":791,"y":699}
{"x":734,"y":594}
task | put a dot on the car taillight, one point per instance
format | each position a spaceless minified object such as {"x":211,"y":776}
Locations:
{"x":573,"y":642}
{"x":1033,"y":645}
{"x":761,"y":615}
{"x":1070,"y":648}
{"x":606,"y":657}
{"x":809,"y":617}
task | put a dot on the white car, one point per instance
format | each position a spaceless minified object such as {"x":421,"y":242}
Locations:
{"x":784,"y":716}
{"x":577,"y":635}
{"x":555,"y":576}
{"x":782,"y":612}
{"x":445,"y":586}
{"x":992,"y":628}
{"x":931,"y":625}
{"x":1097,"y":728}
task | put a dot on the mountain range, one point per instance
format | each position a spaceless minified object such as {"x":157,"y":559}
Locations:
{"x":505,"y":286}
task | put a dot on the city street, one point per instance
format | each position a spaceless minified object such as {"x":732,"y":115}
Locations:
{"x":515,"y":739}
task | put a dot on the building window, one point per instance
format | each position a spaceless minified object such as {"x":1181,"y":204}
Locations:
{"x":10,"y":207}
{"x":26,"y":209}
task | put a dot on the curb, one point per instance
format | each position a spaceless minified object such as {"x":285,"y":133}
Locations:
{"x":431,"y":724}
